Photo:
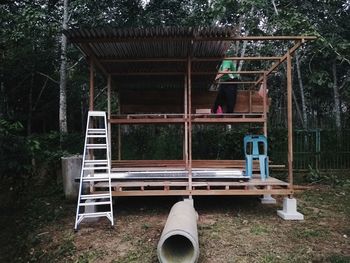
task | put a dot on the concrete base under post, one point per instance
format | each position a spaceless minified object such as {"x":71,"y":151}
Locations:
{"x":90,"y":209}
{"x":71,"y":167}
{"x":188,"y":200}
{"x":268,"y":200}
{"x":289,"y":211}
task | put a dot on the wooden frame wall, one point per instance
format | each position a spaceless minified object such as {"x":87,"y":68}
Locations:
{"x":186,"y":120}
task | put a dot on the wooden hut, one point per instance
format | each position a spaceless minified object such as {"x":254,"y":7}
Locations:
{"x":186,"y":61}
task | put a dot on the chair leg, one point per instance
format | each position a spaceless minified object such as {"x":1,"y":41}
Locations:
{"x":248,"y":165}
{"x":262,"y":161}
{"x":267,"y":167}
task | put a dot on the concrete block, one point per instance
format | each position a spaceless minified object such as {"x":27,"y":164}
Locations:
{"x":71,"y":167}
{"x":189,"y":200}
{"x":90,"y":209}
{"x":289,"y":211}
{"x":268,"y":200}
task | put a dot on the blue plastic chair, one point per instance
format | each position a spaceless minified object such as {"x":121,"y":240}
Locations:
{"x":254,"y":141}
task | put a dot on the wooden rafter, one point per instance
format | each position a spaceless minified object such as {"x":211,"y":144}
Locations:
{"x":88,"y":40}
{"x":160,"y":60}
{"x":183,"y":73}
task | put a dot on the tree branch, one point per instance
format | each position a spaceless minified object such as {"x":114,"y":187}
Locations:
{"x":39,"y":96}
{"x":345,"y":81}
{"x":76,"y":63}
{"x":274,"y":6}
{"x":43,"y":74}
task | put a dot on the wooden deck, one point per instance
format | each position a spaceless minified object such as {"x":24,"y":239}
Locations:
{"x":153,"y":165}
{"x":254,"y":186}
{"x":170,"y":178}
{"x":182,"y":118}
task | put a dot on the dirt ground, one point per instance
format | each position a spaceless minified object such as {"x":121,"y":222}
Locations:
{"x":231,"y":229}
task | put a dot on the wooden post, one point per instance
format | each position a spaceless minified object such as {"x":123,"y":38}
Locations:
{"x":91,"y":100}
{"x":119,"y":130}
{"x":109,"y":84}
{"x":189,"y":80}
{"x":119,"y":143}
{"x":185,"y":145}
{"x":265,"y":102}
{"x":91,"y":108}
{"x":290,"y":120}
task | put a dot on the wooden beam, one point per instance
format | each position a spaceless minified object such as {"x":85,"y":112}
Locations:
{"x":150,"y":73}
{"x":265,"y":103}
{"x":172,"y":73}
{"x":228,"y":120}
{"x":189,"y":79}
{"x":89,"y":52}
{"x":119,"y":127}
{"x":290,"y":120}
{"x":92,"y":86}
{"x":237,"y":82}
{"x":275,"y":65}
{"x":148,"y":121}
{"x":89,"y":40}
{"x":258,"y":38}
{"x":109,"y":84}
{"x":201,"y":192}
{"x":195,"y":59}
{"x":138,"y":60}
{"x":242,"y":72}
{"x":186,"y":124}
{"x":235,"y":58}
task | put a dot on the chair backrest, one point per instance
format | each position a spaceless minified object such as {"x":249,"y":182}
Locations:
{"x":254,"y":141}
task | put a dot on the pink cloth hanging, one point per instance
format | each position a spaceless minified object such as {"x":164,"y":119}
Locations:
{"x":219,"y":110}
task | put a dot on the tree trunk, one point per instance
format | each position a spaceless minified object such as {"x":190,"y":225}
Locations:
{"x":3,"y":101}
{"x":302,"y":92}
{"x":30,"y":105}
{"x":244,"y":47}
{"x":274,"y":6}
{"x":63,"y":74}
{"x":336,"y":98}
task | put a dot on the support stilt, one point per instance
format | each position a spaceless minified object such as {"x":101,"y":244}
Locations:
{"x":268,"y":200}
{"x":289,"y":211}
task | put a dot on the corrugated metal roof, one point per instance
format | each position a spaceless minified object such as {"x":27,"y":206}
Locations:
{"x":77,"y":35}
{"x":119,"y":51}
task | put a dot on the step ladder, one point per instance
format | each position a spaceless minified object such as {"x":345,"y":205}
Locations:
{"x":96,"y":167}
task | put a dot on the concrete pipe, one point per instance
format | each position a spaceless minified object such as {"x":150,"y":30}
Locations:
{"x":179,"y":239}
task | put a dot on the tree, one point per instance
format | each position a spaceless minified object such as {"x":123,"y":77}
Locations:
{"x":63,"y":73}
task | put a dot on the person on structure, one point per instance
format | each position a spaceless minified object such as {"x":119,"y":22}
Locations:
{"x":227,"y":92}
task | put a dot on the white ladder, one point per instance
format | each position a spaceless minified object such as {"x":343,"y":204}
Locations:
{"x":96,"y":167}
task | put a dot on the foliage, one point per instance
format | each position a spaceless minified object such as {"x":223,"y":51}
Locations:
{"x":16,"y":151}
{"x":30,"y":48}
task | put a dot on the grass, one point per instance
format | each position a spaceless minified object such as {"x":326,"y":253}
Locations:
{"x":39,"y":228}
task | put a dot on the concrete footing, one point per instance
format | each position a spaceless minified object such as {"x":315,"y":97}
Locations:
{"x":268,"y":200}
{"x":71,"y":167}
{"x":90,"y":209}
{"x":188,"y":200}
{"x":289,"y":211}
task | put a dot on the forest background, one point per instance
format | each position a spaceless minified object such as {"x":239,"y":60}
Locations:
{"x":36,"y":93}
{"x":43,"y":89}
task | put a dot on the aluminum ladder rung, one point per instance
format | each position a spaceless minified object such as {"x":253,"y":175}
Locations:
{"x":97,"y":214}
{"x":96,"y":146}
{"x":96,"y":162}
{"x":96,"y":136}
{"x":95,"y":168}
{"x":97,"y":114}
{"x":95,"y":203}
{"x":94,"y":130}
{"x":80,"y":217}
{"x":95,"y":179}
{"x":94,"y":196}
